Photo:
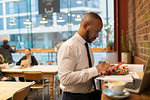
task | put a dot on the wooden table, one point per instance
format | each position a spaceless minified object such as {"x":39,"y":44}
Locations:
{"x":47,"y":70}
{"x":7,"y":89}
{"x":145,"y":95}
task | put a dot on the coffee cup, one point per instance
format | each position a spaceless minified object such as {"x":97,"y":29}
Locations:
{"x":116,"y":87}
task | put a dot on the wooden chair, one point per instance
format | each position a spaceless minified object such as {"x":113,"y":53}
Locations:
{"x":36,"y":76}
{"x":22,"y":93}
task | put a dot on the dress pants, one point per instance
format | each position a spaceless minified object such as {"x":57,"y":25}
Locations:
{"x":78,"y":96}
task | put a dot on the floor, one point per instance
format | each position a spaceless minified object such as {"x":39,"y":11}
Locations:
{"x":37,"y":95}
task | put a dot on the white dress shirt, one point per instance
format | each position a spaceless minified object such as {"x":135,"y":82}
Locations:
{"x":73,"y":67}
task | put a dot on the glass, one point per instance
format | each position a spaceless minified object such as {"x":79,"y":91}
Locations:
{"x":36,"y":34}
{"x":1,"y":10}
{"x":1,"y":25}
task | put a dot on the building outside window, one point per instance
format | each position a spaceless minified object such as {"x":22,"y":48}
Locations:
{"x":21,"y":22}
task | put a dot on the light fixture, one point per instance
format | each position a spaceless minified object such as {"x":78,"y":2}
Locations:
{"x":21,"y":43}
{"x":29,"y":25}
{"x":60,"y":19}
{"x":69,"y":24}
{"x":27,"y":22}
{"x":12,"y":22}
{"x":43,"y":21}
{"x":79,"y":2}
{"x":78,"y":18}
{"x":13,"y":0}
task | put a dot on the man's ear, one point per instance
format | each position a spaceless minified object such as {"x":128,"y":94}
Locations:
{"x":85,"y":24}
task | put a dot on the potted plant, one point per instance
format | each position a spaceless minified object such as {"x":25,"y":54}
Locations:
{"x":109,"y":45}
{"x":127,"y":47}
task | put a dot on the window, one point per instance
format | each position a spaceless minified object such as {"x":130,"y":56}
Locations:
{"x":1,"y":25}
{"x":1,"y":10}
{"x":59,"y":26}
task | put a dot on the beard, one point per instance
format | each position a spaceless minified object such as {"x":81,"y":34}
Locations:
{"x":88,"y":37}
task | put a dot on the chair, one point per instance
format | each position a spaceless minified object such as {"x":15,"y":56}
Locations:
{"x":57,"y":90}
{"x":50,"y":62}
{"x":36,"y":76}
{"x":22,"y":93}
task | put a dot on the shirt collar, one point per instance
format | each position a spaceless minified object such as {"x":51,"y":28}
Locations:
{"x":81,"y":40}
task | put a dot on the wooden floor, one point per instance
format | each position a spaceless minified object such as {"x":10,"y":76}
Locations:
{"x":37,"y":95}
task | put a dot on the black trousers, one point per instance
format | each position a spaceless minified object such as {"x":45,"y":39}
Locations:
{"x":96,"y":95}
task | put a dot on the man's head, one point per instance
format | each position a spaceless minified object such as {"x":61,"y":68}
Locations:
{"x":91,"y":25}
{"x":5,"y":42}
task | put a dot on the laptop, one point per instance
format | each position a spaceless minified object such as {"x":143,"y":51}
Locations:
{"x":25,"y":63}
{"x":138,"y":85}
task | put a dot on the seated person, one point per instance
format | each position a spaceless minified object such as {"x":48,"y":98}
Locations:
{"x":29,"y":57}
{"x":1,"y":59}
{"x":1,"y":75}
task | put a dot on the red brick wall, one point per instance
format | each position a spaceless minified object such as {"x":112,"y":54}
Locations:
{"x":139,"y":26}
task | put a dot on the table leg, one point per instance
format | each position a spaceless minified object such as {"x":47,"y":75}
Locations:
{"x":51,"y":81}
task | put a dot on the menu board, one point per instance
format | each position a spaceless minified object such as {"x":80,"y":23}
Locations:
{"x":49,"y":6}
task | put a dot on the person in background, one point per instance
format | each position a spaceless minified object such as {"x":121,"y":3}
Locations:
{"x":1,"y":59}
{"x":6,"y":51}
{"x":2,"y":78}
{"x":31,"y":59}
{"x":75,"y":62}
{"x":28,"y":56}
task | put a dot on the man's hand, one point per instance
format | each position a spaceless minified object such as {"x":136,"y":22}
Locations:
{"x":103,"y":67}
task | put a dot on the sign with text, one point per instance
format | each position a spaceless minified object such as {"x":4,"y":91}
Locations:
{"x":49,"y":6}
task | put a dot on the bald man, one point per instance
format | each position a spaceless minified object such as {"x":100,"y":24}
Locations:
{"x":76,"y":70}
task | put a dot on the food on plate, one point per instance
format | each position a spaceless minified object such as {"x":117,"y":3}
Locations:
{"x":121,"y":70}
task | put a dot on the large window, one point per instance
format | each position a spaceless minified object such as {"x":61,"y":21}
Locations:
{"x":1,"y":24}
{"x":1,"y":10}
{"x":29,"y":29}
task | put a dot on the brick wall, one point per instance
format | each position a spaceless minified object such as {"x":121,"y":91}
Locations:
{"x":139,"y":26}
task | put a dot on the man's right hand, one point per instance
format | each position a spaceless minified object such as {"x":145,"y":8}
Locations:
{"x":103,"y":67}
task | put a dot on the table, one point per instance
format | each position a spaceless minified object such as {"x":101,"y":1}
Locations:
{"x":47,"y":70}
{"x":7,"y":89}
{"x":145,"y":95}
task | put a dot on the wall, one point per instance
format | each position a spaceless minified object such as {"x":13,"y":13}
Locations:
{"x":139,"y":26}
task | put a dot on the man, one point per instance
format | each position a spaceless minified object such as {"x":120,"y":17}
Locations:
{"x":75,"y":71}
{"x":6,"y":51}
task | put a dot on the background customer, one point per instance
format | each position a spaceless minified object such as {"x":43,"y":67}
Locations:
{"x":6,"y":51}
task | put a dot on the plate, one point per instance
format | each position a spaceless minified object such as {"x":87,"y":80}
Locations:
{"x":114,"y":96}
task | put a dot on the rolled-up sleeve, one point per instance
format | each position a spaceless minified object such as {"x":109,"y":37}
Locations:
{"x":67,"y":61}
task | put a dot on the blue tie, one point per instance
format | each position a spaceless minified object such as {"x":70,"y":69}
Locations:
{"x":90,"y":63}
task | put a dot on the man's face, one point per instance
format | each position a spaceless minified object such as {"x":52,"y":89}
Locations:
{"x":93,"y":30}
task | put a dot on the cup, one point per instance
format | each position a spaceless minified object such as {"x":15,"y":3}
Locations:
{"x":116,"y":87}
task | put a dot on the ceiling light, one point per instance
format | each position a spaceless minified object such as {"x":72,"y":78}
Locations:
{"x":60,"y":19}
{"x":12,"y":21}
{"x":29,"y":26}
{"x":69,"y":24}
{"x":27,"y":22}
{"x":43,"y":21}
{"x":13,"y":0}
{"x":79,"y":2}
{"x":78,"y":18}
